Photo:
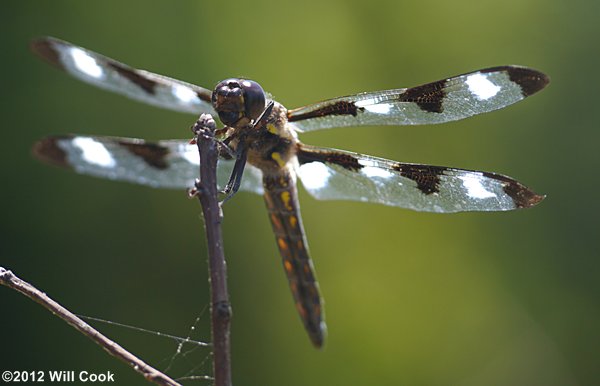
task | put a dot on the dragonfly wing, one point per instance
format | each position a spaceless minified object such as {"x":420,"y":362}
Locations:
{"x":109,"y":74}
{"x":330,"y":174}
{"x":163,"y":164}
{"x":446,"y":100}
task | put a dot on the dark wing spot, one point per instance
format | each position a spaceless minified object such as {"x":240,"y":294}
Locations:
{"x":44,"y":48}
{"x":306,"y":155}
{"x":429,"y":97}
{"x":48,"y":150}
{"x":427,"y":177}
{"x":146,"y":84}
{"x":337,"y":108}
{"x":522,"y":196}
{"x":204,"y":96}
{"x":530,"y":80}
{"x":153,"y":154}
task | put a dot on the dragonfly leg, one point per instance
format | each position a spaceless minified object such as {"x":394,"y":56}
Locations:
{"x":235,"y":180}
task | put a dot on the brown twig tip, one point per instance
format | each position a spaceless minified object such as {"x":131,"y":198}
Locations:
{"x":204,"y":126}
{"x":206,"y":120}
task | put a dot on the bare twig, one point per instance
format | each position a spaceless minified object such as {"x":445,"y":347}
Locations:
{"x":8,"y":279}
{"x":206,"y":189}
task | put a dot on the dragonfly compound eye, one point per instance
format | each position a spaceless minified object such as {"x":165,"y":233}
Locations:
{"x":238,"y":101}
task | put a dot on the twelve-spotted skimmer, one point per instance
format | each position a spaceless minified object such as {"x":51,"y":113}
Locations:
{"x":275,"y":155}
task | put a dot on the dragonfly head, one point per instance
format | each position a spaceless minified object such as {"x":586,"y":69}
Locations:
{"x":238,"y":101}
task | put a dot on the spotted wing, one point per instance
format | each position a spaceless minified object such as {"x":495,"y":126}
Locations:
{"x":339,"y":175}
{"x":111,"y":75}
{"x":164,"y":164}
{"x":442,"y":101}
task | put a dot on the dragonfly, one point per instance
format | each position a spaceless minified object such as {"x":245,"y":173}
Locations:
{"x":266,"y":159}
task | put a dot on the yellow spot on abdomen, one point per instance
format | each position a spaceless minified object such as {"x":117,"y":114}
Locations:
{"x":285,"y":197}
{"x":282,"y":244}
{"x":293,"y":221}
{"x":288,"y":266}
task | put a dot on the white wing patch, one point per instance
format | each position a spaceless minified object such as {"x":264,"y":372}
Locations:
{"x":185,"y":94}
{"x":94,"y":152}
{"x":374,"y":106}
{"x":480,"y":86}
{"x":314,"y":175}
{"x":189,"y":153}
{"x":383,"y":108}
{"x":474,"y":187}
{"x":85,"y":63}
{"x":371,"y":171}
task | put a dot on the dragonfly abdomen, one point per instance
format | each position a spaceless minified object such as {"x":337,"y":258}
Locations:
{"x":281,"y":198}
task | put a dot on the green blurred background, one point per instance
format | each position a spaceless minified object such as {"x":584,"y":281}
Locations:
{"x":411,"y":298}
